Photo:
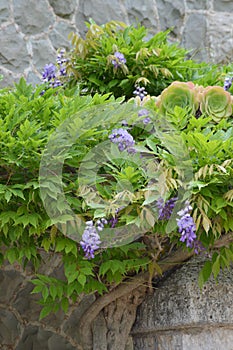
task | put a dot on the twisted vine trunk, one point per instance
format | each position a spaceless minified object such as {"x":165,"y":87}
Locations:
{"x":106,"y":325}
{"x":112,"y":326}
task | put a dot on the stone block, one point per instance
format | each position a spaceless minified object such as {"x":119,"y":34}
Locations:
{"x":223,"y":5}
{"x":179,"y":302}
{"x":9,"y":78}
{"x":59,"y":35}
{"x":43,"y":53}
{"x":99,"y":12}
{"x":37,"y":339}
{"x":10,"y":328}
{"x":14,"y":55}
{"x":4,"y":11}
{"x":144,"y":12}
{"x":27,"y":304}
{"x":33,"y":16}
{"x":194,"y":36}
{"x":32,"y":78}
{"x":183,"y":317}
{"x":198,"y":5}
{"x":171,"y":15}
{"x":9,"y":285}
{"x":63,"y":8}
{"x":220,"y":35}
{"x":147,"y":343}
{"x":71,"y":325}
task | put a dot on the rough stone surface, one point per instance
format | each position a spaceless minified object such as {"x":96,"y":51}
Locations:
{"x":223,"y":5}
{"x":171,"y":15}
{"x":198,"y":5}
{"x":9,"y":282}
{"x":197,"y":23}
{"x":101,"y":13}
{"x":32,"y":31}
{"x":59,"y":35}
{"x":9,"y":328}
{"x":180,"y":316}
{"x":143,"y":12}
{"x":37,"y":339}
{"x":43,"y":53}
{"x":4,"y":11}
{"x":63,"y":8}
{"x":221,"y":36}
{"x":14,"y":55}
{"x":32,"y":16}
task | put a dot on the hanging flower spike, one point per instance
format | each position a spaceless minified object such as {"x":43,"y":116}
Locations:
{"x":186,"y":226}
{"x":90,"y":240}
{"x":227,"y":83}
{"x":123,"y":139}
{"x":49,"y":72}
{"x":61,"y":60}
{"x":140,"y":91}
{"x":120,"y":59}
{"x":165,"y":209}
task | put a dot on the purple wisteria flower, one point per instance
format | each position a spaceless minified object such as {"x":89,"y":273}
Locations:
{"x":123,"y":139}
{"x":100,"y":224}
{"x":166,"y":208}
{"x":113,"y":221}
{"x":186,"y":226}
{"x":49,"y":75}
{"x":61,"y":60}
{"x":198,"y":247}
{"x":144,"y":112}
{"x":90,"y":240}
{"x":140,"y":91}
{"x":227,"y":83}
{"x":49,"y":72}
{"x":120,"y":59}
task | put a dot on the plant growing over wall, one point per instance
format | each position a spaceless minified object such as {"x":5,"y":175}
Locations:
{"x":117,"y":58}
{"x":120,"y":191}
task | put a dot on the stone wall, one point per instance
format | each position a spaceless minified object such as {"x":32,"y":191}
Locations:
{"x":179,"y":316}
{"x":32,"y":30}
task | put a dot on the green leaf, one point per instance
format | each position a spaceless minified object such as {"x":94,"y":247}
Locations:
{"x":45,"y":292}
{"x":82,"y":279}
{"x":64,"y":304}
{"x":12,"y":255}
{"x":45,"y":311}
{"x":205,"y":273}
{"x":216,"y":267}
{"x":53,"y":291}
{"x":8,"y":196}
{"x":37,"y":289}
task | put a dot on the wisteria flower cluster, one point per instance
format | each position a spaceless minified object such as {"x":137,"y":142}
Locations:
{"x":90,"y":239}
{"x":119,"y":59}
{"x":186,"y":226}
{"x":227,"y":83}
{"x":140,"y":92}
{"x":123,"y":139}
{"x":51,"y":75}
{"x":61,"y":61}
{"x":166,"y":208}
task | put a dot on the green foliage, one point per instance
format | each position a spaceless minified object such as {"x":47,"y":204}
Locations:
{"x":179,"y":152}
{"x":153,"y":62}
